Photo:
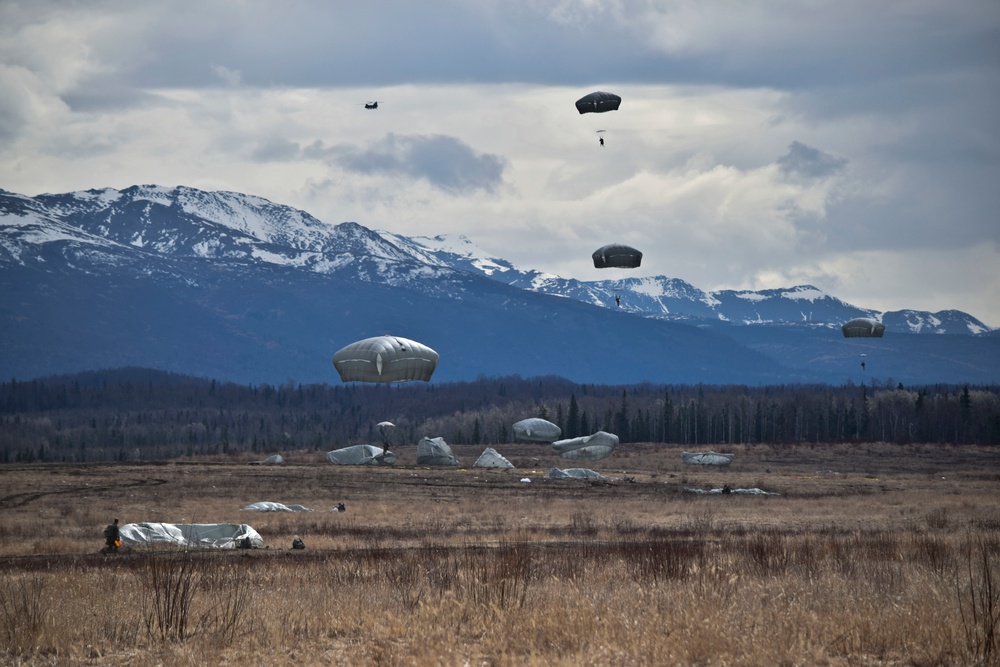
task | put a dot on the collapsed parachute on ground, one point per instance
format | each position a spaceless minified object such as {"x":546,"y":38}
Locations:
{"x":361,"y":455}
{"x":212,"y":535}
{"x":270,"y":460}
{"x":598,"y":102}
{"x":739,"y":492}
{"x":491,"y":458}
{"x":385,"y":359}
{"x":589,"y":447}
{"x":863,"y":327}
{"x":536,"y":429}
{"x":435,"y":452}
{"x":267,"y":506}
{"x":707,"y":458}
{"x":573,"y":473}
{"x":617,"y":256}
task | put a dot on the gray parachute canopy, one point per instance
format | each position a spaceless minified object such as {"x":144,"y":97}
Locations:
{"x":863,"y":327}
{"x":491,"y":458}
{"x":435,"y":452}
{"x":616,"y":255}
{"x":574,"y":473}
{"x":385,"y":359}
{"x":536,"y":429}
{"x":361,"y":455}
{"x":707,"y":458}
{"x":215,"y":535}
{"x":589,"y":447}
{"x":598,"y":102}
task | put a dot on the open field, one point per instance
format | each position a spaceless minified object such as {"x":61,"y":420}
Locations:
{"x":871,"y":555}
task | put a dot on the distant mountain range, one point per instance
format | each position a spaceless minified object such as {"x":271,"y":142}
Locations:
{"x":235,"y":287}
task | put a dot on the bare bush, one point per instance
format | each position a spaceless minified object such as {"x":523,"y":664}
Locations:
{"x":24,"y":610}
{"x":979,"y":603}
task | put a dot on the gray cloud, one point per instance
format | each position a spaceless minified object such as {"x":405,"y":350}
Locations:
{"x":446,"y":162}
{"x":275,"y":149}
{"x":803,"y":160}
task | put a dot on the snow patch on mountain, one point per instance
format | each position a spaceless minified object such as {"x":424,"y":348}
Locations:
{"x":804,"y":292}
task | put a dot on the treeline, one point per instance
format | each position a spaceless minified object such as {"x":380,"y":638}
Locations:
{"x":138,"y":414}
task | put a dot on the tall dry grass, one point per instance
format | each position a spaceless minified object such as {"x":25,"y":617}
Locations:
{"x":889,"y":597}
{"x":455,"y":567}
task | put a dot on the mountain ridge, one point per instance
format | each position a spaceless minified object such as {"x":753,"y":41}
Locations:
{"x":234,"y":285}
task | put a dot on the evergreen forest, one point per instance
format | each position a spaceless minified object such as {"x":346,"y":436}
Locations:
{"x":136,"y":414}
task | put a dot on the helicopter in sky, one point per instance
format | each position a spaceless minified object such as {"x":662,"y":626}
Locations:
{"x":371,"y":105}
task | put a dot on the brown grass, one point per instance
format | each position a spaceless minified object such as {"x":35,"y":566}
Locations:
{"x":889,"y":557}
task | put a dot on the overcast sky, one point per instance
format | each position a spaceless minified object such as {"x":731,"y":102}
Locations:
{"x":849,"y":144}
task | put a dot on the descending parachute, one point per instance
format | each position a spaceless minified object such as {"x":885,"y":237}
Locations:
{"x":536,"y":429}
{"x":598,"y":102}
{"x":385,"y":359}
{"x":863,"y":327}
{"x":617,"y":256}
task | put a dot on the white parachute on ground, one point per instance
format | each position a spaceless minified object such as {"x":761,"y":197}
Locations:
{"x":211,"y":535}
{"x":491,"y":458}
{"x":707,"y":458}
{"x":267,"y":506}
{"x":740,"y":492}
{"x":435,"y":452}
{"x":361,"y":455}
{"x":270,"y":460}
{"x":536,"y":429}
{"x":589,"y":447}
{"x":573,"y":473}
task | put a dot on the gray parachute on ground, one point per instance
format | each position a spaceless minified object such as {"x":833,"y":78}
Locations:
{"x":598,"y":102}
{"x":589,"y":447}
{"x":268,"y":506}
{"x":211,"y":535}
{"x":435,"y":452}
{"x":617,"y":256}
{"x":270,"y":460}
{"x":491,"y":458}
{"x":385,"y":359}
{"x":573,"y":473}
{"x":863,"y":327}
{"x":536,"y":429}
{"x":361,"y":455}
{"x":707,"y":458}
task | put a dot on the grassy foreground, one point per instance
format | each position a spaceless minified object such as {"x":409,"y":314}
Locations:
{"x":870,"y":555}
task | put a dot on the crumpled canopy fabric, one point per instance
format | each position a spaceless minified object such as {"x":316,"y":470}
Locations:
{"x":211,"y":535}
{"x":574,"y":473}
{"x":707,"y":458}
{"x":589,"y":447}
{"x":267,"y":506}
{"x":361,"y":455}
{"x":435,"y":452}
{"x":491,"y":458}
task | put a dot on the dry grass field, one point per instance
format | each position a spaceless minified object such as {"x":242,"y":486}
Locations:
{"x":869,"y":555}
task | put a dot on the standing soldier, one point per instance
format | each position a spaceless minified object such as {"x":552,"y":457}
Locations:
{"x":112,"y":537}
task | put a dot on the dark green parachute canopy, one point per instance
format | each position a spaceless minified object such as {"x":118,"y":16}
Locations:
{"x":863,"y":327}
{"x":617,"y":256}
{"x":598,"y":102}
{"x":385,"y":359}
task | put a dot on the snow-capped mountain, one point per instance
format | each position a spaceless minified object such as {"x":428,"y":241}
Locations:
{"x":675,"y":299}
{"x":236,"y":287}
